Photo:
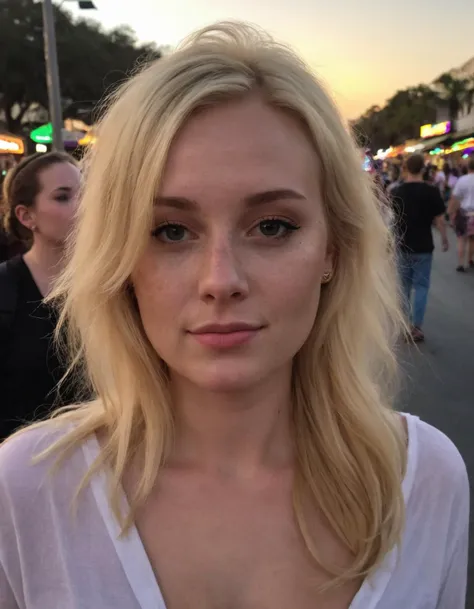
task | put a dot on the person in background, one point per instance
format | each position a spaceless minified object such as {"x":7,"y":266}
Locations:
{"x":381,"y":191}
{"x":39,"y":199}
{"x":384,"y":171}
{"x":461,"y":212}
{"x":395,"y":177}
{"x":9,"y":246}
{"x":428,"y":174}
{"x":440,"y":177}
{"x":452,"y":177}
{"x":416,"y":205}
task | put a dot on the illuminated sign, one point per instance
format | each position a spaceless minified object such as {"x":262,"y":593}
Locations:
{"x":434,"y":130}
{"x":461,"y":145}
{"x":11,"y":144}
{"x":43,"y":135}
{"x":88,"y":139}
{"x":394,"y":152}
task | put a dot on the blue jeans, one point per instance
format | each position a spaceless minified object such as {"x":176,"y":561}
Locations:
{"x":415,"y":272}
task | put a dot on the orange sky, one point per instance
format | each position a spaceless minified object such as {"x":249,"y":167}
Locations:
{"x":364,"y":51}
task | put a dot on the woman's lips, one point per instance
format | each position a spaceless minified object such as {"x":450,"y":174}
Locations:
{"x":225,"y":335}
{"x":225,"y":340}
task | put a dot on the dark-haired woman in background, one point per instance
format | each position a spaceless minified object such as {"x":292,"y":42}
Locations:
{"x":39,"y":199}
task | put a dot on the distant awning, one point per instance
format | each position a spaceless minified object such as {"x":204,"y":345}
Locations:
{"x":434,"y":142}
{"x":458,"y":136}
{"x":414,"y":146}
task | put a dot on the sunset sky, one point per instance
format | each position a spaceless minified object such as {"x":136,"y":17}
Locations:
{"x":364,"y":50}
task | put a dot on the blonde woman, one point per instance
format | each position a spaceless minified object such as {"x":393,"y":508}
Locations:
{"x":230,"y":298}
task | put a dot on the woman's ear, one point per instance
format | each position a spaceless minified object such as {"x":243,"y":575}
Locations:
{"x":26,"y":216}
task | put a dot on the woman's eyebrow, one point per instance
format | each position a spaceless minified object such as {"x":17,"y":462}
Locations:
{"x":259,"y":198}
{"x":176,"y":202}
{"x":270,"y":196}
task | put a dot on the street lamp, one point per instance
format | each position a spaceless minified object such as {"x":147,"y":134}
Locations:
{"x":52,"y":71}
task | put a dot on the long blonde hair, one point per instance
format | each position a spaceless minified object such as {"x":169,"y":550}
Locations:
{"x":349,"y":443}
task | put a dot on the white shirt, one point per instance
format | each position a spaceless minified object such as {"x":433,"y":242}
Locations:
{"x":464,"y":192}
{"x":440,"y":178}
{"x":51,"y":559}
{"x":452,"y":181}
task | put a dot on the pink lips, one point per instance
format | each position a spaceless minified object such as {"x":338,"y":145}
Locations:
{"x":224,"y":336}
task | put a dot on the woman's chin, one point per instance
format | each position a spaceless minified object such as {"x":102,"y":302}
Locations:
{"x":224,"y":377}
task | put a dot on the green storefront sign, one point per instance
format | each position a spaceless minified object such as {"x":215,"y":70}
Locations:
{"x":43,"y":134}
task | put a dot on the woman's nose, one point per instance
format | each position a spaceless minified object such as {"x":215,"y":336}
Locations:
{"x":222,"y":276}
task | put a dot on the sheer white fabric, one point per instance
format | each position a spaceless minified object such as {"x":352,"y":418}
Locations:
{"x":52,"y":557}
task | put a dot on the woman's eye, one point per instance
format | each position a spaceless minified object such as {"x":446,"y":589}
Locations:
{"x":276,"y":228}
{"x":62,"y":198}
{"x":170,"y":233}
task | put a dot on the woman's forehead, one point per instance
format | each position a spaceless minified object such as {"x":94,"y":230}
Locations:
{"x":244,"y":140}
{"x":65,"y":173}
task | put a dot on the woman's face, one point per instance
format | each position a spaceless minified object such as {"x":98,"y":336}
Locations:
{"x":228,"y":287}
{"x":55,"y":203}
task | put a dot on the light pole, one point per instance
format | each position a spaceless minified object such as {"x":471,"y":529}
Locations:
{"x":52,"y":71}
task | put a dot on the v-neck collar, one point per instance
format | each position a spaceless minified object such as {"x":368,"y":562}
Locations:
{"x":130,"y":549}
{"x":139,"y":572}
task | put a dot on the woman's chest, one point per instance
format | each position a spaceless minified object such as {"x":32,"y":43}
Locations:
{"x":234,"y":553}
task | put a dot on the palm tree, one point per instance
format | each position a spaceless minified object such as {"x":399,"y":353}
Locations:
{"x":455,"y":93}
{"x":426,"y":100}
{"x":469,"y":96}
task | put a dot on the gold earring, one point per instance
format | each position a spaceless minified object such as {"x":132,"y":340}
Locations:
{"x":327,"y":276}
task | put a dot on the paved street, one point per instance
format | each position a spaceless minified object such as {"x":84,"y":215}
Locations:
{"x":439,"y":377}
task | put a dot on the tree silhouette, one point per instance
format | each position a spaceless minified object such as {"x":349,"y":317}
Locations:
{"x":399,"y":120}
{"x":455,"y":93}
{"x":91,"y":60}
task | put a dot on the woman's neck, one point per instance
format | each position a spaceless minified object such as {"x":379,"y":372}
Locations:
{"x":233,"y":434}
{"x":45,"y":262}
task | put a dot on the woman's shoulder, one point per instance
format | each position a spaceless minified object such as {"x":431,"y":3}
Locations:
{"x":42,"y":518}
{"x":436,"y":491}
{"x":434,"y":462}
{"x":13,"y":267}
{"x":12,"y":273}
{"x":25,"y":471}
